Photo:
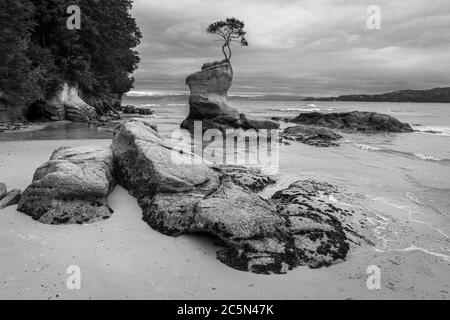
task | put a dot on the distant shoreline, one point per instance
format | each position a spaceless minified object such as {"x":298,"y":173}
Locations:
{"x":436,"y":95}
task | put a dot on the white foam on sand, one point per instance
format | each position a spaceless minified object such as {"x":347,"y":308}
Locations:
{"x":296,"y":109}
{"x":367,"y":148}
{"x":436,"y":130}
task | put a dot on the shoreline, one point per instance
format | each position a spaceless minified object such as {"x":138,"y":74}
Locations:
{"x":122,"y":257}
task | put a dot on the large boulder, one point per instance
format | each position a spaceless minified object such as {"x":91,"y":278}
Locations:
{"x":181,"y":194}
{"x":143,"y":163}
{"x":71,"y":187}
{"x":362,"y":121}
{"x":67,"y":104}
{"x":313,"y":136}
{"x":209,"y":103}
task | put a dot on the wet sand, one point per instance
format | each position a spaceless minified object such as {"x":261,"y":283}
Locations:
{"x":124,"y":258}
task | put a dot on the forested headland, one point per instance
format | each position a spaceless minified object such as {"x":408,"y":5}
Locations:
{"x":40,"y":54}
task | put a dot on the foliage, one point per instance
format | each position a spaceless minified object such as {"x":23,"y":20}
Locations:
{"x":18,"y":77}
{"x":228,"y":30}
{"x":39,"y":52}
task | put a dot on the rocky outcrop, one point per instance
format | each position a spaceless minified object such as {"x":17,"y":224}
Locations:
{"x":71,"y":187}
{"x":10,"y":198}
{"x":143,"y":163}
{"x":209,"y":103}
{"x":67,"y":104}
{"x":250,"y":178}
{"x":314,"y":231}
{"x":361,"y":121}
{"x":179,"y":194}
{"x":313,"y":136}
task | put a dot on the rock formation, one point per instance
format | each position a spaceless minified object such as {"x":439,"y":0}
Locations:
{"x":313,"y":136}
{"x":180,"y":194}
{"x":368,"y":122}
{"x":209,"y":103}
{"x":71,"y":187}
{"x":3,"y":190}
{"x":67,"y":104}
{"x":136,"y":110}
{"x":296,"y":227}
{"x":10,"y":198}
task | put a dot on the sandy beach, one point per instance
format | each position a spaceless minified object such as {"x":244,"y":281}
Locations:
{"x":122,"y":257}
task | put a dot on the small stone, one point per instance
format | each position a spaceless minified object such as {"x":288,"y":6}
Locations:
{"x":3,"y":190}
{"x":11,"y":198}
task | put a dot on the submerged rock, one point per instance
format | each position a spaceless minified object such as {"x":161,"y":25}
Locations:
{"x":10,"y":198}
{"x":136,"y":110}
{"x":209,"y":103}
{"x":314,"y":136}
{"x":295,"y":227}
{"x":368,"y":122}
{"x":71,"y":187}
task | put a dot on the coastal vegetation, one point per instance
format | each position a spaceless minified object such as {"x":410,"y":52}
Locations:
{"x":228,"y":31}
{"x":40,"y":53}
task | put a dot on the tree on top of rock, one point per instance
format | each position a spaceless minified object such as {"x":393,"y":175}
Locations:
{"x":229,"y":30}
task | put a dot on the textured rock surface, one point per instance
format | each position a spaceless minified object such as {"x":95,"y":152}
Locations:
{"x":3,"y":190}
{"x":369,"y":122}
{"x":209,"y":103}
{"x":143,"y":163}
{"x":249,"y":178}
{"x":296,"y":227}
{"x":316,"y":231}
{"x":11,"y":198}
{"x":67,"y":104}
{"x":314,"y":136}
{"x":71,"y":187}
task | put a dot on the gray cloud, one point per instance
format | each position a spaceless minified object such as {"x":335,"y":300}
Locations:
{"x":305,"y":47}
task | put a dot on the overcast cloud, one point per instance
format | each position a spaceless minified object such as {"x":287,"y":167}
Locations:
{"x":304,"y":47}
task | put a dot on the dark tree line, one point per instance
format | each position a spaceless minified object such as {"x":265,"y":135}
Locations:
{"x":38,"y":52}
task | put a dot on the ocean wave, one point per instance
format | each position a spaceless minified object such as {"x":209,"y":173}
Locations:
{"x":296,"y":109}
{"x":419,"y":156}
{"x":148,"y":105}
{"x":154,"y":93}
{"x":436,"y":130}
{"x":176,"y":104}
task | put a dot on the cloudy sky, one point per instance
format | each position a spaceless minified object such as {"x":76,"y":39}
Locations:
{"x":302,"y":47}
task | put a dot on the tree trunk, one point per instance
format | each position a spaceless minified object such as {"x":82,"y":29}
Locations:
{"x":229,"y":51}
{"x":224,"y":53}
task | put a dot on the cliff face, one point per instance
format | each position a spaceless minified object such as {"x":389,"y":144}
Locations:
{"x":209,"y":103}
{"x":67,"y":104}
